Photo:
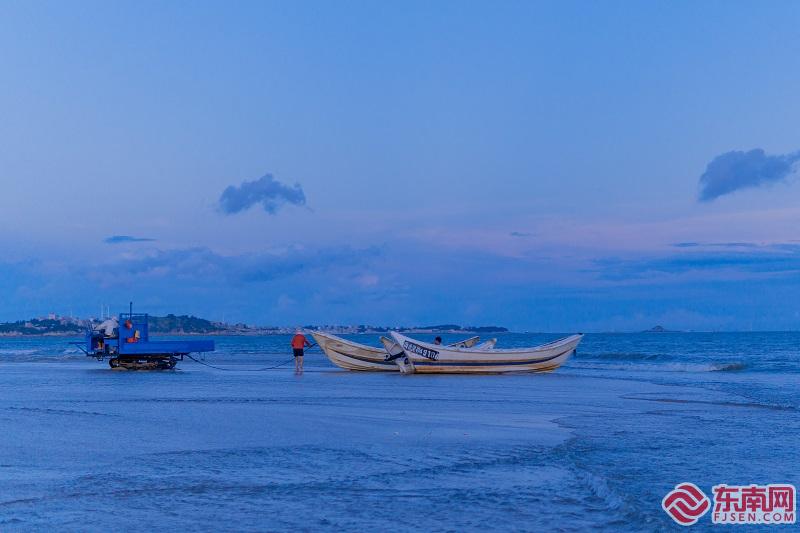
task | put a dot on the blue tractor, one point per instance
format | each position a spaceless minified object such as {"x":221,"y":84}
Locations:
{"x":127,"y":345}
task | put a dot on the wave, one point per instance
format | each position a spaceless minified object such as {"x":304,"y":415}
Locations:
{"x":665,"y":367}
{"x":17,"y":352}
{"x":628,"y":356}
{"x":43,"y":355}
{"x":655,"y":356}
{"x":729,"y":367}
{"x":775,"y":406}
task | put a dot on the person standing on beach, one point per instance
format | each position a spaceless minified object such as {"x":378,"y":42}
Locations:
{"x":299,"y":342}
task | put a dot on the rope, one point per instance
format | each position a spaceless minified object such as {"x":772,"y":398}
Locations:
{"x":239,"y":369}
{"x":244,"y":369}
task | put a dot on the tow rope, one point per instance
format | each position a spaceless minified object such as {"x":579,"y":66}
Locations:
{"x":244,"y":369}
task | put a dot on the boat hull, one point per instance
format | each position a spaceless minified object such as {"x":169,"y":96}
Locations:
{"x":352,"y":355}
{"x":424,"y":358}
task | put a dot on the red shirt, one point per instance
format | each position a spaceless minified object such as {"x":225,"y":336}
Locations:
{"x":299,"y":341}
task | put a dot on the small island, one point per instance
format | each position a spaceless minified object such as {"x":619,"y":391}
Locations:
{"x":659,"y":329}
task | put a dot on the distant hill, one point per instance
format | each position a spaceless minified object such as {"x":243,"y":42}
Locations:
{"x":176,"y":325}
{"x":487,"y":329}
{"x":39,"y":326}
{"x":170,"y":324}
{"x":442,"y":327}
{"x":455,"y":328}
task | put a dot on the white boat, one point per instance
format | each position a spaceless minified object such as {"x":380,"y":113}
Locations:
{"x":354,"y":356}
{"x":485,"y":345}
{"x":413,"y":356}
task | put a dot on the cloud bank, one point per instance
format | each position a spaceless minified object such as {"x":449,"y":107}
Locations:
{"x":714,"y":245}
{"x":121,"y":239}
{"x":342,"y":284}
{"x":203,"y":265}
{"x":736,"y":170}
{"x":267,"y":191}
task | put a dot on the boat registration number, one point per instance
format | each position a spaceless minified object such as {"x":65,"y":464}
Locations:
{"x":427,"y":353}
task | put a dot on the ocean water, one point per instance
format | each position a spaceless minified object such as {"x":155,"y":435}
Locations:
{"x":596,"y":444}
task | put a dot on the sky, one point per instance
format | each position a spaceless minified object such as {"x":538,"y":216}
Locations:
{"x":545,"y":166}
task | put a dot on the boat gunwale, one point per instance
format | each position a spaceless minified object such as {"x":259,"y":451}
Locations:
{"x":493,"y":352}
{"x":335,"y":338}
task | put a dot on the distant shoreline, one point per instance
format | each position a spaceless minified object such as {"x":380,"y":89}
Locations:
{"x":171,"y":325}
{"x":255,"y":333}
{"x":262,"y":333}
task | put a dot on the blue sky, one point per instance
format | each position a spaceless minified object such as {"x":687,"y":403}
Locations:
{"x":549,"y":166}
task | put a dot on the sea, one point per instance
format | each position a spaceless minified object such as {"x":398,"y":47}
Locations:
{"x":238,"y":442}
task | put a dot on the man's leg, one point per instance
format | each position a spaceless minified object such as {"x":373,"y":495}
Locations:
{"x":300,"y":362}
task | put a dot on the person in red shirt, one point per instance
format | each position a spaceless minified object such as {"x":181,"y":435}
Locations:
{"x":299,"y":342}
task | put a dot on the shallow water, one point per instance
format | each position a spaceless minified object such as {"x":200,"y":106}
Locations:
{"x":596,"y":444}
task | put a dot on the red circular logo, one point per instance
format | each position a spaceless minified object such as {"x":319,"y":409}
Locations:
{"x":686,"y":504}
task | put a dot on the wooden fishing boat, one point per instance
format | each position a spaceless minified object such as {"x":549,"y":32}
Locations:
{"x":413,"y":356}
{"x":354,"y":356}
